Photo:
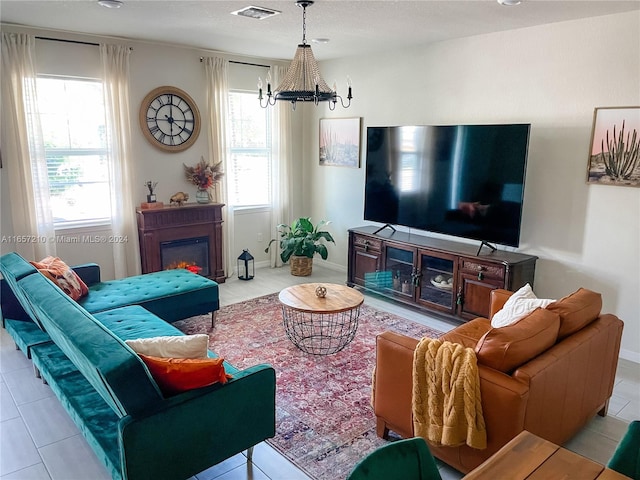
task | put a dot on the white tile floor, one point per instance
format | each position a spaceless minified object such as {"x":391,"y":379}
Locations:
{"x":38,"y":440}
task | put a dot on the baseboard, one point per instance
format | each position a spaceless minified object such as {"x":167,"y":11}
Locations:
{"x":263,"y":264}
{"x":323,"y":263}
{"x":630,"y":355}
{"x":332,"y":266}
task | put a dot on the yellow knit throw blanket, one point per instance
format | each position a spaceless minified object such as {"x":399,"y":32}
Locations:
{"x":446,"y":395}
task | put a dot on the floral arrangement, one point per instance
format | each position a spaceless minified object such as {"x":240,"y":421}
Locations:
{"x":203,"y":175}
{"x":151,"y":185}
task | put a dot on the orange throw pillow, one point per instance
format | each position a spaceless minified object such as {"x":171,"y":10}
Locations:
{"x":175,"y":375}
{"x":63,"y":276}
{"x":576,"y":311}
{"x":506,"y":348}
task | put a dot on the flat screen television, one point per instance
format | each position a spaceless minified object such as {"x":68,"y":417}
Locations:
{"x":460,"y":180}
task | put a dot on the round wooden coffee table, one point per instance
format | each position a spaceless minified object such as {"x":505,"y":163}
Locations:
{"x":320,"y":325}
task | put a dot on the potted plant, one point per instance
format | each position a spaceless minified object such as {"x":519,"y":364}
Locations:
{"x":299,"y":242}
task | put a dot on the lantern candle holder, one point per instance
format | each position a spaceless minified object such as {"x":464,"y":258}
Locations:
{"x":246,"y":265}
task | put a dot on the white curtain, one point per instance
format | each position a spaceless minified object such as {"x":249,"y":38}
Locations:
{"x":115,"y":67}
{"x":23,"y":149}
{"x":217,"y":75}
{"x":282,"y":169}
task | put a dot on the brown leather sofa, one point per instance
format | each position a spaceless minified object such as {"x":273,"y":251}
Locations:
{"x":549,"y":373}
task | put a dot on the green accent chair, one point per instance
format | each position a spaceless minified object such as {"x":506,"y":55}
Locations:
{"x":626,"y":458}
{"x":408,"y":459}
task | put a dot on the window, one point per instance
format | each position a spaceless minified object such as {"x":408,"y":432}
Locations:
{"x":250,"y":147}
{"x":72,"y":116}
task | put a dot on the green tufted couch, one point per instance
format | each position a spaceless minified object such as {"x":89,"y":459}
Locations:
{"x":172,"y":295}
{"x":108,"y":391}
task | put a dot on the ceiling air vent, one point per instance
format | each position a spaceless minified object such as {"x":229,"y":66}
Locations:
{"x":259,"y":13}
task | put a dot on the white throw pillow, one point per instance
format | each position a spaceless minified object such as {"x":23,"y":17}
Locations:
{"x":181,"y":346}
{"x":518,"y":306}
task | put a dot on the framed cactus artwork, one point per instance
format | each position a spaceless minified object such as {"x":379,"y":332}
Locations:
{"x":340,"y":142}
{"x":614,"y":154}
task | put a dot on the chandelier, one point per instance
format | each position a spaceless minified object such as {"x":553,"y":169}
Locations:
{"x":303,"y":82}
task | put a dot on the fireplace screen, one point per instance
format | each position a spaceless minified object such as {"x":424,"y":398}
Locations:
{"x":189,"y":253}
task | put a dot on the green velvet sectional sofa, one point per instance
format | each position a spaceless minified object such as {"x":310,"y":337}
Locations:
{"x":172,"y":295}
{"x":79,"y":349}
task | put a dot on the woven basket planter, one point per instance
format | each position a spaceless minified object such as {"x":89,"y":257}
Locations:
{"x":301,"y":266}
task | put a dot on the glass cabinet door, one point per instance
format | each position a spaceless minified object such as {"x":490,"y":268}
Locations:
{"x":437,"y":281}
{"x":399,"y":264}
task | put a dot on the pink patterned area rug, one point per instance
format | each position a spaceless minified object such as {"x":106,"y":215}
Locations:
{"x":324,"y":420}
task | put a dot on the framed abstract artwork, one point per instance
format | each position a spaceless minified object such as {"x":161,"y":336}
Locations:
{"x":340,"y":142}
{"x":614,"y":154}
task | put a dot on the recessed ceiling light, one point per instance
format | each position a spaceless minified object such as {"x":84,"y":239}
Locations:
{"x":110,"y":3}
{"x":259,"y":13}
{"x":320,"y":40}
{"x":509,"y":3}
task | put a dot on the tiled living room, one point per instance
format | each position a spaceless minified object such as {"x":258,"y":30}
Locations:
{"x":427,"y":235}
{"x":39,"y":441}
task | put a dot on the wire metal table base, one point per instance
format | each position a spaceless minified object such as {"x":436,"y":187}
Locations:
{"x":320,"y":333}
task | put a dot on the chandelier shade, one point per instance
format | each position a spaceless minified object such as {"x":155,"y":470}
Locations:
{"x":303,"y":81}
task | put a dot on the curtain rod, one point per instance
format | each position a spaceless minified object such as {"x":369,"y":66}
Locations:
{"x":63,"y":40}
{"x":242,"y":63}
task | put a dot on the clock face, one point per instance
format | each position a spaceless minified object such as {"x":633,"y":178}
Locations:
{"x":169,"y":119}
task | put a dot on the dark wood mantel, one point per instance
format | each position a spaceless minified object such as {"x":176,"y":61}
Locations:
{"x":176,"y":223}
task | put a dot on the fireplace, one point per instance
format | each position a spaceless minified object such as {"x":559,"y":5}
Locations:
{"x":189,"y":253}
{"x":191,"y":234}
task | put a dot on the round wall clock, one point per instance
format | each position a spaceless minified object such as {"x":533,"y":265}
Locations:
{"x":169,"y":119}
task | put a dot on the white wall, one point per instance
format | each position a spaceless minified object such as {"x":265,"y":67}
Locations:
{"x":152,"y":65}
{"x":551,"y":76}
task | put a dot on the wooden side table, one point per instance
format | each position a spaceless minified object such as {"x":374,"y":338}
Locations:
{"x":320,"y":325}
{"x":528,"y":456}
